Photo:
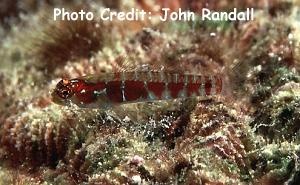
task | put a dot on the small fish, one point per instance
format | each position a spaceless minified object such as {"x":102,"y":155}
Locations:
{"x":106,"y":90}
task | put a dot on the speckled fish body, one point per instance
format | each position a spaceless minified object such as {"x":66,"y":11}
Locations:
{"x":103,"y":91}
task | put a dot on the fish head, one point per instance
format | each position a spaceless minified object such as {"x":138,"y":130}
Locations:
{"x":64,"y":91}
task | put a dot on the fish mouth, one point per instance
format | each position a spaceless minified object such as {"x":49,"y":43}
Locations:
{"x":58,"y":100}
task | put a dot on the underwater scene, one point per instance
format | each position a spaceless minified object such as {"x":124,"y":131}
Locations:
{"x":150,"y":92}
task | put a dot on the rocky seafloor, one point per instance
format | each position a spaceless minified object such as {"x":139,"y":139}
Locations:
{"x":250,"y":134}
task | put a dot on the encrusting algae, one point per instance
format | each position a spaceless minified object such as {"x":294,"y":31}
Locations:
{"x":248,"y":134}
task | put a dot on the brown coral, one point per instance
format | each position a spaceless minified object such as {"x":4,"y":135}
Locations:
{"x":66,"y":40}
{"x":39,"y":143}
{"x":215,"y":126}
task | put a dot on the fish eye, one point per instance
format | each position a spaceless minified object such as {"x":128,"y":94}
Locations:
{"x":65,"y":93}
{"x":64,"y":89}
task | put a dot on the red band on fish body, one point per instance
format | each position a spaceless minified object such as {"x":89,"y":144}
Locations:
{"x":193,"y":89}
{"x":219,"y":84}
{"x":208,"y":85}
{"x":175,"y":89}
{"x":114,"y":92}
{"x":134,"y":90}
{"x":157,"y":88}
{"x":85,"y":92}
